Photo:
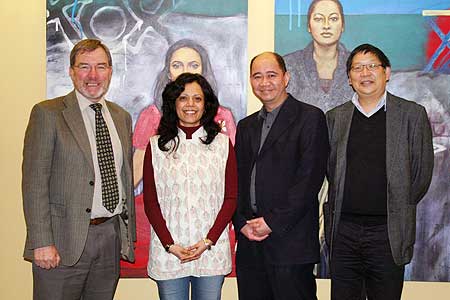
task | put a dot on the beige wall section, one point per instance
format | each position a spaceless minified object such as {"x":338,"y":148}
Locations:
{"x":260,"y":39}
{"x":22,"y":84}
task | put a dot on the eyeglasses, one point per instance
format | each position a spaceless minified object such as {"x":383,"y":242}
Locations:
{"x":86,"y":68}
{"x":360,"y":68}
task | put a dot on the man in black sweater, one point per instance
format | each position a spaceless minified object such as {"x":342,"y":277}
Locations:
{"x":380,"y":167}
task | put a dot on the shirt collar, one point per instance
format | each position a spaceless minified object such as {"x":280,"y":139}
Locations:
{"x":381,"y":103}
{"x":84,"y":102}
{"x":263,"y":113}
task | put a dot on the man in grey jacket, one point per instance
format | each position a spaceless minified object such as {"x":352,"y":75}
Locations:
{"x":77,"y":185}
{"x":380,"y":166}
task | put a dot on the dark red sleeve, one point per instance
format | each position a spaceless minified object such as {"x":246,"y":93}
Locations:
{"x":151,"y":204}
{"x":230,"y":196}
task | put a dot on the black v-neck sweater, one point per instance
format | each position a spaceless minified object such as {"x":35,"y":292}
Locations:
{"x":365,"y":179}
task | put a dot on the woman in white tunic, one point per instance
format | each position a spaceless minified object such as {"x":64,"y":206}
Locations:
{"x":190,"y":190}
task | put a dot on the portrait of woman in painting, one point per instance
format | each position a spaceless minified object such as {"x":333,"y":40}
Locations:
{"x":318,"y":72}
{"x":181,"y":57}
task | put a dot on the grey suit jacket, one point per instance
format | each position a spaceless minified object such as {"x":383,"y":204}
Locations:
{"x":58,"y":176}
{"x":409,"y":168}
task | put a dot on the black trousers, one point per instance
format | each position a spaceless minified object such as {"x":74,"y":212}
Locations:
{"x":361,"y":258}
{"x":258,"y":280}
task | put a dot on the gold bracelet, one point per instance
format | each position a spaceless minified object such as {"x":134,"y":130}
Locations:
{"x":208,"y":243}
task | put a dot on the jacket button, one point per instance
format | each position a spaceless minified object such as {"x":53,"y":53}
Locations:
{"x":91,"y":182}
{"x":88,"y":210}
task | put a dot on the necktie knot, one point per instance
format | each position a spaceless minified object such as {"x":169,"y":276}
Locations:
{"x":97,"y":107}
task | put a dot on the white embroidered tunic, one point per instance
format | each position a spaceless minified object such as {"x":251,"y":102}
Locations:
{"x":190,"y":185}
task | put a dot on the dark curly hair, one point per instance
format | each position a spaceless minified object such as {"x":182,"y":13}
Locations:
{"x":168,"y":126}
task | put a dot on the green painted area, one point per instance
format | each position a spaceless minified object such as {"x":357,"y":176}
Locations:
{"x":217,"y":8}
{"x":401,"y":37}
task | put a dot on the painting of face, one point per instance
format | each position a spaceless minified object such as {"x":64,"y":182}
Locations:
{"x":268,"y":81}
{"x":325,"y":24}
{"x":190,"y":105}
{"x":91,"y":74}
{"x":369,"y":85}
{"x":185,"y":60}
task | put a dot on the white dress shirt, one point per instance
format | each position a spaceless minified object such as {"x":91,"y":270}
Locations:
{"x":98,"y":210}
{"x":381,"y":103}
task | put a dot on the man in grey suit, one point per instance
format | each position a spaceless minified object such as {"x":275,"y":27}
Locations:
{"x":77,"y":185}
{"x":380,"y":166}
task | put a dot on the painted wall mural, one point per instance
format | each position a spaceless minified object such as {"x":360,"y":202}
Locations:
{"x":144,"y":36}
{"x":415,"y":36}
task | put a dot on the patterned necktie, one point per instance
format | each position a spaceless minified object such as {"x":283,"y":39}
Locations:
{"x":105,"y":155}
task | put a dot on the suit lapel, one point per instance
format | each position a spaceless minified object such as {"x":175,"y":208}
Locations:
{"x":343,"y":125}
{"x":393,"y":128}
{"x":255,"y":135}
{"x":74,"y":120}
{"x":285,"y":118}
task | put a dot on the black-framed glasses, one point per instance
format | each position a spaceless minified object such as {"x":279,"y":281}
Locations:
{"x":370,"y":67}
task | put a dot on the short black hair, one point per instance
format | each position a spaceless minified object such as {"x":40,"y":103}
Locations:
{"x":368,"y":48}
{"x":278,"y":58}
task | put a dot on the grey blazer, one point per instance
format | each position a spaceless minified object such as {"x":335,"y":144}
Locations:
{"x":58,"y":176}
{"x":409,"y":168}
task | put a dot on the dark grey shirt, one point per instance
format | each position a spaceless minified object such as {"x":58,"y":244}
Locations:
{"x":268,"y":120}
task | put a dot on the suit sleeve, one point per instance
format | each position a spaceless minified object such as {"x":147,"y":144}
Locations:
{"x":36,"y":171}
{"x":422,"y":156}
{"x":309,"y":175}
{"x":239,"y":219}
{"x":130,"y":187}
{"x":330,"y":125}
{"x":328,"y":204}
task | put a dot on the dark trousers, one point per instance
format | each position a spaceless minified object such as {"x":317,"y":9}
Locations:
{"x":258,"y":280}
{"x":361,"y":259}
{"x":94,"y":276}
